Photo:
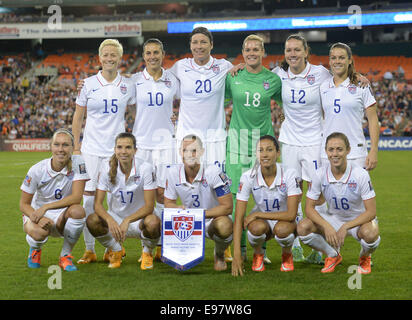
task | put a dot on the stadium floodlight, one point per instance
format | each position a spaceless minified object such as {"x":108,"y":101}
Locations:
{"x":290,"y":23}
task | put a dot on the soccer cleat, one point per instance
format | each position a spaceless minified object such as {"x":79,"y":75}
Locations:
{"x":298,"y":254}
{"x":314,"y":257}
{"x":106,"y":255}
{"x":364,"y":265}
{"x":287,"y":262}
{"x":158,"y":255}
{"x":331,"y":263}
{"x":66,"y":263}
{"x":266,"y":260}
{"x":33,"y":260}
{"x":88,"y":257}
{"x":147,"y":261}
{"x":257,"y":264}
{"x":115,"y":258}
{"x":228,"y":255}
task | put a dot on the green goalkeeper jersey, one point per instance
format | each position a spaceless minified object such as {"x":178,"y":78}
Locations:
{"x":251,"y":115}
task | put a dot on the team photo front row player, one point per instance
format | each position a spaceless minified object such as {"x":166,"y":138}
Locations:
{"x":199,"y":185}
{"x":351,"y":201}
{"x":50,"y":201}
{"x":132,"y":186}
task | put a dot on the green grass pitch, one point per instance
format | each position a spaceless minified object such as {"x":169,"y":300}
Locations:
{"x":390,"y":277}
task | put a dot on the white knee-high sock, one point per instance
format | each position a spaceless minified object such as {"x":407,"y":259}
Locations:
{"x":71,"y":233}
{"x":148,"y":244}
{"x":88,"y":205}
{"x":299,"y":217}
{"x":256,"y":241}
{"x":322,"y":209}
{"x":286,"y":242}
{"x":108,"y":241}
{"x":221,"y":244}
{"x":35,"y":244}
{"x":369,"y":248}
{"x":318,"y":242}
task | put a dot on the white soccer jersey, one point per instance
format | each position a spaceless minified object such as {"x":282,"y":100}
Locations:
{"x":344,"y":107}
{"x":153,"y":127}
{"x":209,"y":184}
{"x":48,"y":185}
{"x":344,"y":196}
{"x":301,"y":105}
{"x":106,"y":106}
{"x":202,"y":94}
{"x":127,"y":196}
{"x":271,"y":198}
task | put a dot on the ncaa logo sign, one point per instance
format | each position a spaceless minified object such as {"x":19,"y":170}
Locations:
{"x":183,"y":226}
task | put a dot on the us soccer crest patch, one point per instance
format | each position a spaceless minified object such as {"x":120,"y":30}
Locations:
{"x":123,"y":88}
{"x":168,"y":83}
{"x":352,"y":185}
{"x":352,"y":89}
{"x":311,"y":79}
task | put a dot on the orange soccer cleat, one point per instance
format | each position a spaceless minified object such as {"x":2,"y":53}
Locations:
{"x":331,"y":263}
{"x":257,"y":263}
{"x":287,"y":262}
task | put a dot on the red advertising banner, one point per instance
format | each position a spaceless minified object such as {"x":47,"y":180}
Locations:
{"x":25,"y":145}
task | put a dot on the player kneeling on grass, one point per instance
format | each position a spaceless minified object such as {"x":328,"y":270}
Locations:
{"x":50,"y":200}
{"x":277,"y":193}
{"x":200,"y":186}
{"x":132,"y":185}
{"x":348,"y":192}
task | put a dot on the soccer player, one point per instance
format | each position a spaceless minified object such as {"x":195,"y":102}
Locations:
{"x":202,"y":186}
{"x":104,"y":99}
{"x":251,"y":91}
{"x":202,"y":90}
{"x":276,"y":192}
{"x":344,"y":102}
{"x":156,"y":90}
{"x":132,"y":186}
{"x":301,"y":131}
{"x":349,"y":194}
{"x":50,"y":200}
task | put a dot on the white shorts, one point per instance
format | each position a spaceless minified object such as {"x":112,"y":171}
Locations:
{"x":93,"y":166}
{"x":305,"y":160}
{"x":133,"y":231}
{"x":336,"y":223}
{"x":215,"y":153}
{"x":359,"y":161}
{"x":54,"y":216}
{"x":160,"y":159}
